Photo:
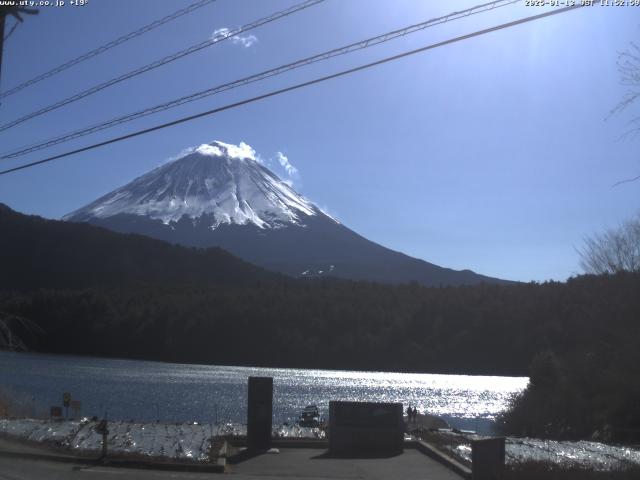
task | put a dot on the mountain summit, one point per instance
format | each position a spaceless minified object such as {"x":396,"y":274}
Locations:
{"x":222,"y":182}
{"x":219,"y":194}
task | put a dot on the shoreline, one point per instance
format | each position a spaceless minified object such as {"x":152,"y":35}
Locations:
{"x":425,"y":422}
{"x":198,"y":444}
{"x":257,"y":367}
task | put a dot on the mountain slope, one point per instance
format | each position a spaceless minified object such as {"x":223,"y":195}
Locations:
{"x":38,"y":253}
{"x":221,"y":195}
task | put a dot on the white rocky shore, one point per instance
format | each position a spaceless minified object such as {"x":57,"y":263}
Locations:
{"x":192,"y":441}
{"x":182,"y":441}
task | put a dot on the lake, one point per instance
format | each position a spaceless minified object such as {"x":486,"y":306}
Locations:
{"x":148,"y":391}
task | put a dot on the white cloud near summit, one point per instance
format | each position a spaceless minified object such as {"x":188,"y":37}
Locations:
{"x":210,"y":150}
{"x":218,"y":149}
{"x":246,"y":41}
{"x":243,"y":151}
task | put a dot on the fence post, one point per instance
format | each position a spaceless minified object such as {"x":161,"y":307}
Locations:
{"x":102,"y":428}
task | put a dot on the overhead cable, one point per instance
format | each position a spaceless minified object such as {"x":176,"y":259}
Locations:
{"x":369,"y":42}
{"x":106,"y":46}
{"x":163,"y":61}
{"x":295,"y":87}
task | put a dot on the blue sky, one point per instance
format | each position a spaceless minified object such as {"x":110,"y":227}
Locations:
{"x":493,"y":154}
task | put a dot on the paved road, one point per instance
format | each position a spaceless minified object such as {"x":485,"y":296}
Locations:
{"x":14,"y":446}
{"x":292,"y":464}
{"x":19,"y":461}
{"x":26,"y":469}
{"x":306,"y":463}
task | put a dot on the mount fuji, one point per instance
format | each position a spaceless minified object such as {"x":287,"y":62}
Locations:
{"x":219,"y":194}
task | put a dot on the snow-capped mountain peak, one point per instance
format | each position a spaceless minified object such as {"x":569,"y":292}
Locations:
{"x":221,"y":182}
{"x":222,"y":195}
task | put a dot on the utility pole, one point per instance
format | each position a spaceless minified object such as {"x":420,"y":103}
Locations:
{"x":15,"y":12}
{"x":3,"y":17}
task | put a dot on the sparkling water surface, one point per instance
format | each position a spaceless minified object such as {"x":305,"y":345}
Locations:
{"x":147,"y":391}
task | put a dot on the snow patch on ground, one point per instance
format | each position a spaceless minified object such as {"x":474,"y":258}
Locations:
{"x":598,"y":456}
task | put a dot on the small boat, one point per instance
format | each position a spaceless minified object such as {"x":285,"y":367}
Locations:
{"x":310,"y":417}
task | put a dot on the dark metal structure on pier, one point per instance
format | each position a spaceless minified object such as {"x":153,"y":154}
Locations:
{"x":487,"y":458}
{"x":365,"y":428}
{"x":259,"y":413}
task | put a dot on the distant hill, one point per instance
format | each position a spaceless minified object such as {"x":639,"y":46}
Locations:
{"x":39,"y":253}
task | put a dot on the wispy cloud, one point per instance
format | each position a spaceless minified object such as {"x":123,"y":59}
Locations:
{"x":286,"y":164}
{"x":328,"y":213}
{"x":183,"y":153}
{"x":245,"y":41}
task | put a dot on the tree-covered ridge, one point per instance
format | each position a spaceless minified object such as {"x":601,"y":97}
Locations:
{"x":39,"y":253}
{"x":336,"y":324}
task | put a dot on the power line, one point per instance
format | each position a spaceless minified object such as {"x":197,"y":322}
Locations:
{"x":163,"y":61}
{"x":296,"y":87}
{"x":369,"y":42}
{"x":107,"y":46}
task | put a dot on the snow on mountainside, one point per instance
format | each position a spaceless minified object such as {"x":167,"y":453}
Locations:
{"x":225,"y":182}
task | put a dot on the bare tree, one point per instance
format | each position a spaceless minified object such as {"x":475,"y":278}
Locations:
{"x":8,"y":339}
{"x":629,"y":69}
{"x":613,"y":251}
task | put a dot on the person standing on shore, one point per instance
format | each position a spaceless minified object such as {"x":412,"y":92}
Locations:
{"x":411,"y":414}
